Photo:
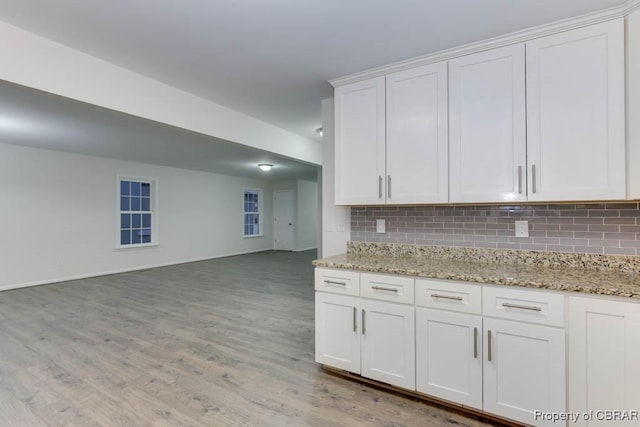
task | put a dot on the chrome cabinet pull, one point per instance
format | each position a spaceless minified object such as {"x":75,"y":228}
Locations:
{"x":446,"y":297}
{"x":333,"y":282}
{"x":380,"y":186}
{"x":364,"y":329}
{"x":519,"y":179}
{"x":489,"y":345}
{"x":380,"y":288}
{"x":475,"y":343}
{"x":389,"y":186}
{"x":355,"y":322}
{"x":533,"y":178}
{"x":523,"y":307}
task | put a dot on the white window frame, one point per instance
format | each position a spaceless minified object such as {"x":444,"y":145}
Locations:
{"x":153,"y":194}
{"x":260,"y":194}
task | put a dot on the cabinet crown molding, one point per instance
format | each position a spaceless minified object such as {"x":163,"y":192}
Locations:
{"x":512,"y":38}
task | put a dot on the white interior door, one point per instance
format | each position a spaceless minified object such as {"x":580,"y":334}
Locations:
{"x":283,"y":221}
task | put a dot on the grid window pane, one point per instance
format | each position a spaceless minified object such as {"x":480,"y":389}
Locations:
{"x":125,"y":221}
{"x":251,"y":216}
{"x":125,"y":237}
{"x":124,"y":188}
{"x":135,"y":203}
{"x":136,"y":188}
{"x":135,"y":226}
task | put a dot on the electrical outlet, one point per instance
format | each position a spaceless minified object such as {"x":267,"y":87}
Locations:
{"x":522,"y":228}
{"x":380,"y":225}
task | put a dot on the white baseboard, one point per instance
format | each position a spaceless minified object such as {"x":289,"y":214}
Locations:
{"x":305,"y":249}
{"x":123,"y":270}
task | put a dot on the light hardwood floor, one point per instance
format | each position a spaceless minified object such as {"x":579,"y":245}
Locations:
{"x":213,"y":343}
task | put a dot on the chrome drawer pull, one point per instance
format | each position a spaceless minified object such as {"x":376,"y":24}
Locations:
{"x":475,"y":343}
{"x":520,"y":179}
{"x":489,"y":345}
{"x":446,"y":297}
{"x":523,"y":307}
{"x":379,"y":186}
{"x":355,"y":323}
{"x":389,"y":186}
{"x":380,"y":288}
{"x":364,"y":328}
{"x":332,"y":282}
{"x":533,"y":178}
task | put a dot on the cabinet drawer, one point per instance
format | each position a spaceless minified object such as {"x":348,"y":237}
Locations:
{"x":337,"y":281}
{"x":449,"y":295}
{"x":522,"y":305}
{"x":387,"y":288}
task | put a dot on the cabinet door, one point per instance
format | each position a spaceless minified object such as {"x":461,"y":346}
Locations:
{"x":449,"y":356}
{"x":487,"y":126}
{"x":360,"y":143}
{"x":417,"y":135}
{"x":604,"y":358}
{"x":575,"y":114}
{"x":388,"y":343}
{"x":524,"y":370}
{"x":337,"y":335}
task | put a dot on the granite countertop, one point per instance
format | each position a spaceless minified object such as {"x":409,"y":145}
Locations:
{"x":560,"y":278}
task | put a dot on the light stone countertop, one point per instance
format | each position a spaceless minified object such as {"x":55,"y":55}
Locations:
{"x":573,"y":279}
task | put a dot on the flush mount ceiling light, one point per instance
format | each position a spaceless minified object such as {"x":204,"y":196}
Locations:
{"x":265,"y":166}
{"x":319,"y":131}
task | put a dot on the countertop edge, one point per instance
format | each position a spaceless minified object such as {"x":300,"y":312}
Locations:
{"x":488,"y":280}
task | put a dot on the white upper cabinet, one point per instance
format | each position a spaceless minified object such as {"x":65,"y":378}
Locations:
{"x":392,"y":138}
{"x":487,"y":126}
{"x":360,"y":143}
{"x":417,"y":135}
{"x":542,"y":120}
{"x":575,"y":114}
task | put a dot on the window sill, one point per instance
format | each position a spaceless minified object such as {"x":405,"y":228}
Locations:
{"x":252,"y":236}
{"x":141,"y":245}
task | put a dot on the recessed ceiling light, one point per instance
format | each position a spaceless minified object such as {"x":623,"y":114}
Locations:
{"x":319,"y":131}
{"x":265,"y":166}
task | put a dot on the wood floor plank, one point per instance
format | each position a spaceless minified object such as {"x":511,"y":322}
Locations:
{"x":225,"y":342}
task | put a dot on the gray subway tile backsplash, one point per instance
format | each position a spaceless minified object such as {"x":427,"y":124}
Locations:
{"x":604,"y":228}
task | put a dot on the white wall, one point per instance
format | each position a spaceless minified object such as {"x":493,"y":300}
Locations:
{"x":336,"y":220}
{"x":58,"y":215}
{"x":633,"y":103}
{"x":37,"y":62}
{"x":307,"y":235}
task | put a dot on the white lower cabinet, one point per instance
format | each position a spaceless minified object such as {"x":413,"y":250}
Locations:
{"x":449,"y":356}
{"x":524,"y":370}
{"x":498,"y":349}
{"x":337,"y":334}
{"x":604,"y":361}
{"x":388,"y":343}
{"x":373,"y":338}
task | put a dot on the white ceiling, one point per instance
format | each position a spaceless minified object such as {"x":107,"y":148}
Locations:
{"x":267,"y":59}
{"x":272,"y":59}
{"x":38,"y":119}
